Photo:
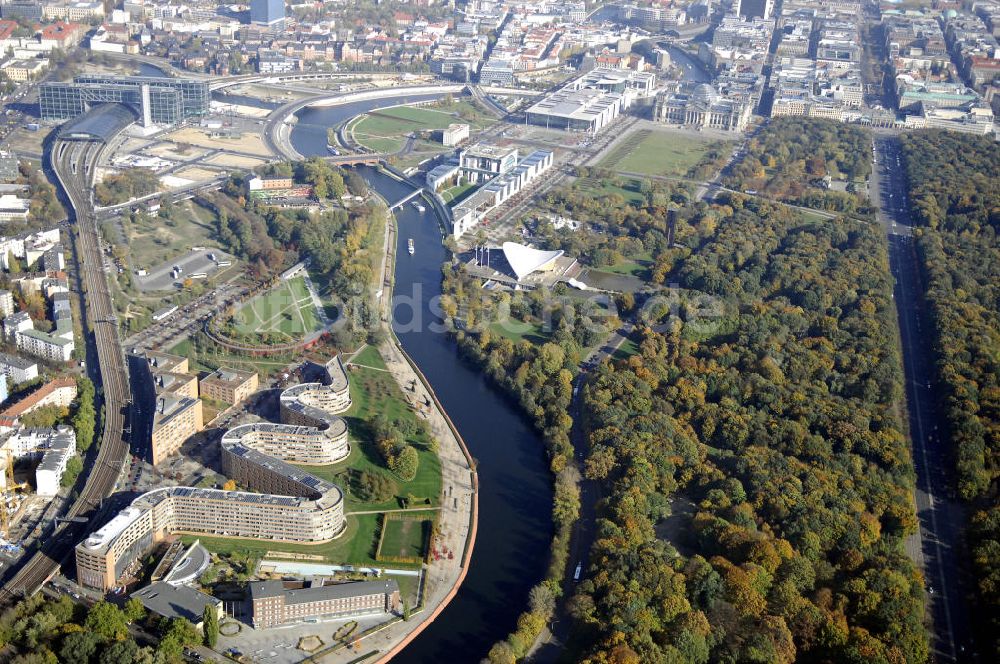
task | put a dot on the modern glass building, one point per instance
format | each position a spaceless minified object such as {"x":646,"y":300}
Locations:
{"x":267,"y":12}
{"x":155,"y":100}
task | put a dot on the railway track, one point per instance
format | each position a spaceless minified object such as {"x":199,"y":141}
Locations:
{"x":73,"y":163}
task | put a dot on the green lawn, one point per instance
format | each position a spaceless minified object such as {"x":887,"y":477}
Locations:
{"x":628,"y":348}
{"x":369,"y":357}
{"x":355,"y":546}
{"x":406,"y":538}
{"x":375,"y":392}
{"x":386,"y":130}
{"x":285,"y":311}
{"x":408,"y":586}
{"x":657,"y":153}
{"x":518,"y":331}
{"x":458,"y":193}
{"x":628,"y":188}
{"x":638,"y":267}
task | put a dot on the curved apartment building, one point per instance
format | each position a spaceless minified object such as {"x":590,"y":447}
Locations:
{"x":109,"y":552}
{"x":293,"y":506}
{"x":293,"y":442}
{"x":315,"y":404}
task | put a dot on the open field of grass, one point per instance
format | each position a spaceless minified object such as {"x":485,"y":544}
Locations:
{"x":628,"y":348}
{"x":153,"y":239}
{"x":369,"y":357}
{"x":629,"y":188}
{"x":518,"y":331}
{"x":633,"y":267}
{"x":284,"y":311}
{"x":406,"y":537}
{"x":386,"y":130}
{"x":658,"y":153}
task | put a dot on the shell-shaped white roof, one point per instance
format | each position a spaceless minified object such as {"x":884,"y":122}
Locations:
{"x":524,"y":260}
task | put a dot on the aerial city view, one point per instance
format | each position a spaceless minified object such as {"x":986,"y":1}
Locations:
{"x":546,"y":331}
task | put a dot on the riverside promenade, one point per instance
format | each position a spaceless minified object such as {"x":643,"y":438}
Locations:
{"x":457,"y":518}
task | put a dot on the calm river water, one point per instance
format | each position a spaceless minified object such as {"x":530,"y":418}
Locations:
{"x":515,"y":495}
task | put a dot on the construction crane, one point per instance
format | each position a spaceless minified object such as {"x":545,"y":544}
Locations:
{"x":9,"y":487}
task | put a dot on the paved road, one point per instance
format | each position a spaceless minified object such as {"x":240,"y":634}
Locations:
{"x":549,"y":647}
{"x":939,"y":545}
{"x":188,"y":319}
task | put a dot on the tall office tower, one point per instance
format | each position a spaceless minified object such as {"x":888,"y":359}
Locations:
{"x":755,"y":8}
{"x":267,"y":12}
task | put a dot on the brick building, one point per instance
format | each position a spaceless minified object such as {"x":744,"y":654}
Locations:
{"x":272,"y":604}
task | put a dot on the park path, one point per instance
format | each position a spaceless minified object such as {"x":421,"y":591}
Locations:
{"x":401,"y":509}
{"x":317,"y":303}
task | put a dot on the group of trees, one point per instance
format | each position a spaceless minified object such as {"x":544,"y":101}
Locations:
{"x":540,"y":376}
{"x":627,"y":228}
{"x":45,"y":206}
{"x":374,"y":486}
{"x":954,"y":197}
{"x":85,"y":417}
{"x":45,"y":631}
{"x":790,"y":156}
{"x":125,"y":186}
{"x":399,"y":456}
{"x":777,"y":425}
{"x":342,"y":245}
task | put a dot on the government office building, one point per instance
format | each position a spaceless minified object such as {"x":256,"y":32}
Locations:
{"x":162,"y":101}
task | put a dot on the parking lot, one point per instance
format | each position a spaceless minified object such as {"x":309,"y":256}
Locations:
{"x":278,"y":645}
{"x":198,"y":262}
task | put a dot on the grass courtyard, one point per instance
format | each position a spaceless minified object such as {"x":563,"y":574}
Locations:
{"x":658,"y":153}
{"x":284,"y":313}
{"x":406,"y":537}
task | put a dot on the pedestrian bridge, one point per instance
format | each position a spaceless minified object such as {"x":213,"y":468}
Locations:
{"x":406,"y":199}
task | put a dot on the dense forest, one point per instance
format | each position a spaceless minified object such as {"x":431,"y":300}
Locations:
{"x":757,"y":486}
{"x":44,"y":631}
{"x":955,"y":196}
{"x":789,"y":158}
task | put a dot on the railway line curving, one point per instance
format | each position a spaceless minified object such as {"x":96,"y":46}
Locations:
{"x":73,"y":164}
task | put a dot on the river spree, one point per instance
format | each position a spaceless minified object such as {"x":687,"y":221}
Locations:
{"x":515,"y":495}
